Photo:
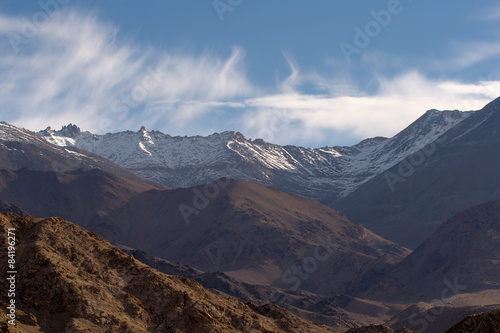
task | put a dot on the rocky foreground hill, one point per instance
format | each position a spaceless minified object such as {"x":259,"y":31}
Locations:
{"x":71,"y":280}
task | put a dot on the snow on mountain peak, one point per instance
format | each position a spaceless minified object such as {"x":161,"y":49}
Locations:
{"x":188,"y":161}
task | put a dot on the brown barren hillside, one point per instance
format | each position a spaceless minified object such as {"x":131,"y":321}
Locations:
{"x":84,"y":196}
{"x":462,"y":256}
{"x":71,"y":280}
{"x":257,"y":235}
{"x":254,"y":233}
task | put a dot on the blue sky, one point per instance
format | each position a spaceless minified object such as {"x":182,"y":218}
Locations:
{"x":310,"y":73}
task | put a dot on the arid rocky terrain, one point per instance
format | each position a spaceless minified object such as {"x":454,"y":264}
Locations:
{"x":71,"y":280}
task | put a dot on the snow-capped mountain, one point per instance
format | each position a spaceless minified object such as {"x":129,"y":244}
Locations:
{"x":406,"y":207}
{"x":320,"y":173}
{"x":21,"y":148}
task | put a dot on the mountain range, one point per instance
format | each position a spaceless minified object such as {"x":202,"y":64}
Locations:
{"x":243,"y":218}
{"x":331,"y":175}
{"x":369,"y":181}
{"x":315,"y":173}
{"x":21,"y":148}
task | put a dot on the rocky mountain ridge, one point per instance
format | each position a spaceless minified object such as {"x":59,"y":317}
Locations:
{"x":21,"y":148}
{"x":328,"y":172}
{"x":410,"y":200}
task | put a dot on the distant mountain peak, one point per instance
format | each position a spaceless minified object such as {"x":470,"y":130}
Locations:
{"x":70,"y":130}
{"x":320,"y":173}
{"x":22,"y":148}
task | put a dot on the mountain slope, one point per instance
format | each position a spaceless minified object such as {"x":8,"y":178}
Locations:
{"x":463,"y":255}
{"x":6,"y":207}
{"x":257,"y":235}
{"x":82,"y":195}
{"x":20,"y":148}
{"x":409,"y":201}
{"x":488,"y":322}
{"x":321,"y":173}
{"x":326,"y":310}
{"x":71,"y":280}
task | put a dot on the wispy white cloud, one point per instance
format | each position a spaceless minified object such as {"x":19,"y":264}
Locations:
{"x":78,"y":70}
{"x":75,"y":70}
{"x":466,"y":53}
{"x":293,"y":80}
{"x":397,"y":103}
{"x":10,"y":24}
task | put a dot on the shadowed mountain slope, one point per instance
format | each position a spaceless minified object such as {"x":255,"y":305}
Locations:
{"x":378,"y":329}
{"x":85,"y":196}
{"x":459,"y":170}
{"x":257,"y":235}
{"x":6,"y":207}
{"x":488,"y":322}
{"x":462,"y":256}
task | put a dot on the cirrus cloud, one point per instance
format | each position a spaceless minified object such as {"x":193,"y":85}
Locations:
{"x":78,"y":69}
